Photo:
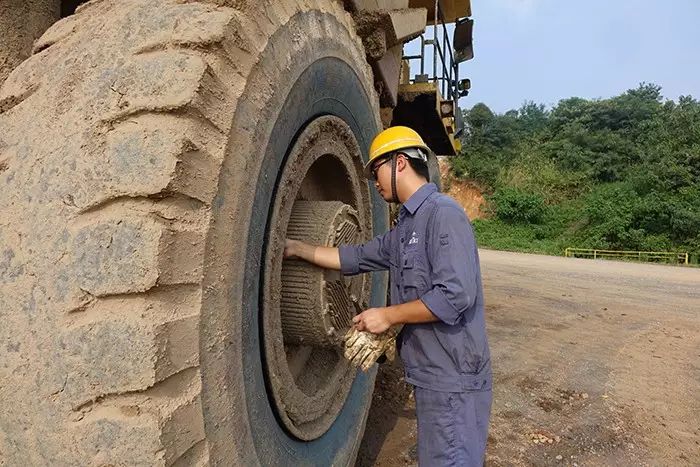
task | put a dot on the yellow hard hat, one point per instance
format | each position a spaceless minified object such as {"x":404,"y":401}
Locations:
{"x":393,"y":139}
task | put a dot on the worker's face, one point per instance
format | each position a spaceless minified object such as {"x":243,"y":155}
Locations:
{"x":381,"y":174}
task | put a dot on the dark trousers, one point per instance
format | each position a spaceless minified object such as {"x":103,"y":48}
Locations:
{"x":452,"y":427}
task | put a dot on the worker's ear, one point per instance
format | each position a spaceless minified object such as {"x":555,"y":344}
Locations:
{"x":401,"y":163}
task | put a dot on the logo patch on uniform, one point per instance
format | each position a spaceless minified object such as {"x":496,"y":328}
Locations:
{"x":414,"y":239}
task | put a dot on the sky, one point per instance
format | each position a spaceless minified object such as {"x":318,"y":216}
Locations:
{"x":547,"y":50}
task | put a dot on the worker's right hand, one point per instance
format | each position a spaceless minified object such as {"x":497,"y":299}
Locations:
{"x":290,"y":248}
{"x":322,"y":256}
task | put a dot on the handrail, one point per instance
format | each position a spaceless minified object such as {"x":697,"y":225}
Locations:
{"x":681,"y":257}
{"x":448,"y":47}
{"x":448,"y":77}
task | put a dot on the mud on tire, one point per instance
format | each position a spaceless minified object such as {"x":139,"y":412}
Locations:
{"x":138,"y":155}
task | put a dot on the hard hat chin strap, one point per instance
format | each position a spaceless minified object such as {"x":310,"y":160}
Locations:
{"x":394,"y":191}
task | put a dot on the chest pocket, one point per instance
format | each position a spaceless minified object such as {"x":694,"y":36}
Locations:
{"x":413,"y":276}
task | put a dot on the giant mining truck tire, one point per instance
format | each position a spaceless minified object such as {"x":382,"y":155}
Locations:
{"x":151,"y":153}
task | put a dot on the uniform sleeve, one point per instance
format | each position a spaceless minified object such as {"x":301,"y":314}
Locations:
{"x":452,"y":256}
{"x":372,"y":256}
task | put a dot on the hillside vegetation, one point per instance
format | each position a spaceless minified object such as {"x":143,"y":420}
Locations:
{"x":618,"y":173}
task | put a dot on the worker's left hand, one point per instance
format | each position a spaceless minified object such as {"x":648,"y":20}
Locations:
{"x":363,"y":349}
{"x":372,"y":320}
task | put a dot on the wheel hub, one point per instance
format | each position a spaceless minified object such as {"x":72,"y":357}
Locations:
{"x":310,"y":317}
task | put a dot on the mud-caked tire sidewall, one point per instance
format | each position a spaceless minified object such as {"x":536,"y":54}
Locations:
{"x":323,"y":80}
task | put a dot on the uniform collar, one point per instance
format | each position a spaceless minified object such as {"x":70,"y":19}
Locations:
{"x":414,"y":202}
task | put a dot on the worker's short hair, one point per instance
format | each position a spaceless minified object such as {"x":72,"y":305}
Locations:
{"x":419,"y":167}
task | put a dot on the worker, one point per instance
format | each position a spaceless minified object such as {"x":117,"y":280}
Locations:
{"x":436,"y":294}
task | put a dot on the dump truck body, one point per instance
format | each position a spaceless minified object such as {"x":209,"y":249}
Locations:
{"x":154,"y":156}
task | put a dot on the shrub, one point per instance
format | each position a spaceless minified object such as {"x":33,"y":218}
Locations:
{"x":513,"y":205}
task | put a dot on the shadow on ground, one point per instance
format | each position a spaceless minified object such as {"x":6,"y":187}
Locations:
{"x":391,"y":395}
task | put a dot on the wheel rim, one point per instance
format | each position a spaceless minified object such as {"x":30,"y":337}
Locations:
{"x":307,"y":378}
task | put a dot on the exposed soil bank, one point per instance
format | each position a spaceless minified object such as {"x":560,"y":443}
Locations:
{"x":467,"y":194}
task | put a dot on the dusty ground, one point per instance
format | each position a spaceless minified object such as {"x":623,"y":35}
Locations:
{"x":600,"y":357}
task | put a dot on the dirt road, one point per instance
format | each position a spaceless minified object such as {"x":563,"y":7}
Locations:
{"x":595,"y":363}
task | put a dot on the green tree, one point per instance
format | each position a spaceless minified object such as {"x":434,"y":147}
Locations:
{"x":622,"y":172}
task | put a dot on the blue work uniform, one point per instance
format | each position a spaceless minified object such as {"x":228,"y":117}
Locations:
{"x":432,"y":256}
